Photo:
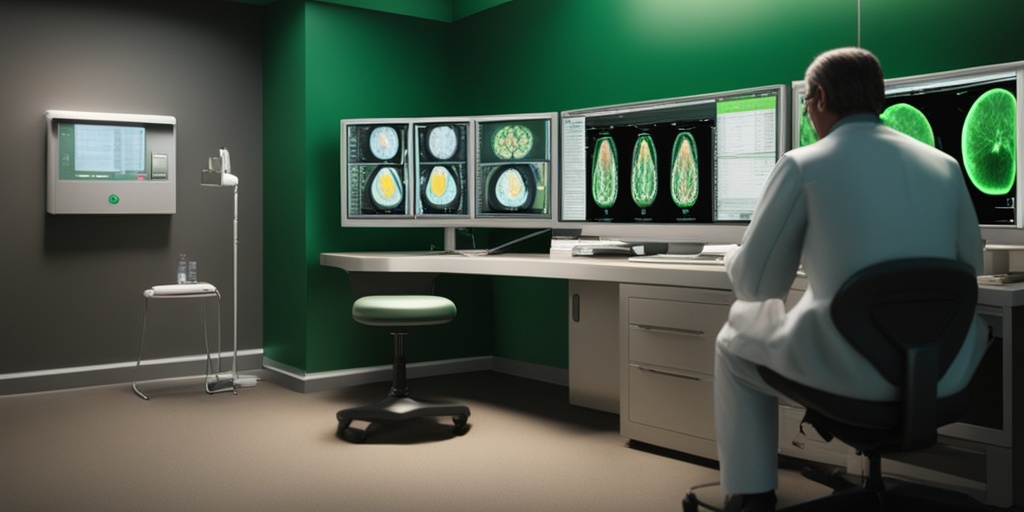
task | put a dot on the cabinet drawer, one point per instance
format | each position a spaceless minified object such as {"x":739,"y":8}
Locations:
{"x":675,"y":333}
{"x":676,"y":402}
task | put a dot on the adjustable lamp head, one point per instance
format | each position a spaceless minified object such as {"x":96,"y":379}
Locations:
{"x":219,"y":173}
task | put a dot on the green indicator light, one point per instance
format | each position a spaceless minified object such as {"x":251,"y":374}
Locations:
{"x":113,"y":199}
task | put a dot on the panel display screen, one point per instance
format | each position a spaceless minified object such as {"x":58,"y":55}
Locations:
{"x":88,"y":151}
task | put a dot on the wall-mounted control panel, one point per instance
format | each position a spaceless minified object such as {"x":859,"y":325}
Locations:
{"x":104,"y":163}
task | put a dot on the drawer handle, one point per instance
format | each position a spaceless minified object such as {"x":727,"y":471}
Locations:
{"x":670,"y":330}
{"x":663,"y":372}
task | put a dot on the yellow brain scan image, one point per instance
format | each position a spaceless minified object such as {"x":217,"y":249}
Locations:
{"x":386,"y":188}
{"x":512,"y":188}
{"x":442,"y":188}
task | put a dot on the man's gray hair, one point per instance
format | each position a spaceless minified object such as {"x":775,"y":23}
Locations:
{"x":852,"y":79}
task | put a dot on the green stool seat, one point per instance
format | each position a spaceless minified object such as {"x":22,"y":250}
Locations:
{"x":403,"y":310}
{"x":400,"y":311}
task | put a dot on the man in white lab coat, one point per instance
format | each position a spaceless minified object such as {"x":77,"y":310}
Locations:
{"x":862,"y":194}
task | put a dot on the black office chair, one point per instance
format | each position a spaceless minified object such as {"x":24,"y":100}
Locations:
{"x":909,"y":318}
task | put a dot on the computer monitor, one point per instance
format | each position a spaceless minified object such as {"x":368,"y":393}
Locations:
{"x":450,"y":172}
{"x":972,"y":115}
{"x":516,"y":161}
{"x":442,"y":168}
{"x":681,"y":169}
{"x":375,"y":169}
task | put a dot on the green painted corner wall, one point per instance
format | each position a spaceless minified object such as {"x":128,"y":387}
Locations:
{"x":284,"y":161}
{"x":339,"y":63}
{"x":327,"y":62}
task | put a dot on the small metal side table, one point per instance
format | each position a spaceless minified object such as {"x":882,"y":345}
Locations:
{"x":200,"y":291}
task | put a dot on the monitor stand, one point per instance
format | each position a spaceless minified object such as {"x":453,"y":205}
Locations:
{"x":449,"y":239}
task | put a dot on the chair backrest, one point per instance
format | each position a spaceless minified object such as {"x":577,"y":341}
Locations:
{"x":909,"y":318}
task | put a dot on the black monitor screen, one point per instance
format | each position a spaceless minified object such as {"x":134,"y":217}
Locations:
{"x":976,"y":123}
{"x":627,"y":160}
{"x":971,"y":118}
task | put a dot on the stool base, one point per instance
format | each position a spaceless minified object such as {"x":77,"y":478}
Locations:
{"x":399,"y":408}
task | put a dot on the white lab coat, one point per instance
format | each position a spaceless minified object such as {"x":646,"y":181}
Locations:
{"x":861,"y":195}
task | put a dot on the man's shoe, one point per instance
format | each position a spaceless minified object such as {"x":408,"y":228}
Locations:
{"x":761,"y":502}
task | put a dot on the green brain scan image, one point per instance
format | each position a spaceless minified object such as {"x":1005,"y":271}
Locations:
{"x":907,"y":119}
{"x":512,"y":141}
{"x":644,"y":179}
{"x":807,"y":134}
{"x":684,"y":171}
{"x":605,"y":180}
{"x":989,"y":142}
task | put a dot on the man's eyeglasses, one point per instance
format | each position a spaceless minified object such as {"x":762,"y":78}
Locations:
{"x":807,"y":99}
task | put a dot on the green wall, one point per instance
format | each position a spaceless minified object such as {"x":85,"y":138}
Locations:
{"x":284,"y":185}
{"x":327,"y":62}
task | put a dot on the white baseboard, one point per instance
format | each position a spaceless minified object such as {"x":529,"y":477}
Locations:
{"x":115,"y":373}
{"x":253,"y":359}
{"x":298,"y":380}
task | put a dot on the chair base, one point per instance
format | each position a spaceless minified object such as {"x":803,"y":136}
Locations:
{"x":400,"y":408}
{"x":897,"y":496}
{"x":851,"y":496}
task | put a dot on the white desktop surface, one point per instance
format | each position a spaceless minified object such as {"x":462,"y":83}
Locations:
{"x":1004,"y":295}
{"x":604,"y":268}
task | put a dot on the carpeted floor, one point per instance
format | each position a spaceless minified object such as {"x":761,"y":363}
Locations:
{"x":272,"y":449}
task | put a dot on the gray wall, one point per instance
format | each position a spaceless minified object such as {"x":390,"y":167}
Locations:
{"x":71,"y":285}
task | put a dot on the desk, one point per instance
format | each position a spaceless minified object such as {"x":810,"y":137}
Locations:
{"x":978,"y":458}
{"x":603,"y":269}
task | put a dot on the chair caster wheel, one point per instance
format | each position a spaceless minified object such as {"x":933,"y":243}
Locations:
{"x":690,"y":502}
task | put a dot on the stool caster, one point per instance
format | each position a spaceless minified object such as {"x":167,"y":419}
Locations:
{"x":351,"y":435}
{"x":460,"y":421}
